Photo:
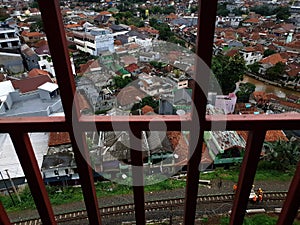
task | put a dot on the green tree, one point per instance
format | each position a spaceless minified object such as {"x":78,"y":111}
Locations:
{"x":169,"y":9}
{"x":121,"y":82}
{"x":254,"y":68}
{"x":156,"y":9}
{"x":221,"y":10}
{"x":34,"y":4}
{"x":228,"y":71}
{"x":282,"y":155}
{"x":268,"y":52}
{"x":245,"y":90}
{"x":282,"y":13}
{"x":275,"y":72}
{"x":149,"y":100}
{"x":263,"y":10}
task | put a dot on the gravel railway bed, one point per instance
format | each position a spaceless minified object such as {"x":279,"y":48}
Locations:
{"x":170,"y":194}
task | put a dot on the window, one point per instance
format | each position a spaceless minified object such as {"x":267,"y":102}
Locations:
{"x":256,"y":124}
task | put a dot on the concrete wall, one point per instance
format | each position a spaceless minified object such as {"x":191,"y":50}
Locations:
{"x":12,"y":62}
{"x":45,"y":95}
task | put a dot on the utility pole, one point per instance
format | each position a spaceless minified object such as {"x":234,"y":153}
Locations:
{"x":8,"y":190}
{"x":13,"y":185}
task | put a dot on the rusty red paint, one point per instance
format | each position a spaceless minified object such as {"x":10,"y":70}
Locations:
{"x":292,"y":202}
{"x":247,"y":173}
{"x":32,"y":173}
{"x":4,"y":220}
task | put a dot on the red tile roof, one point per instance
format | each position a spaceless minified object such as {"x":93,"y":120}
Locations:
{"x":146,"y":109}
{"x":273,"y":59}
{"x":271,"y":135}
{"x":252,"y":20}
{"x":32,"y":34}
{"x":30,"y":84}
{"x":58,"y":138}
{"x":36,"y":72}
{"x":132,"y":67}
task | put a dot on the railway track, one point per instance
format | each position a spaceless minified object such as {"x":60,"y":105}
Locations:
{"x":152,"y":206}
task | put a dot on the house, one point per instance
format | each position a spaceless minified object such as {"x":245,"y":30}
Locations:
{"x":250,"y":55}
{"x":225,"y":102}
{"x":27,"y":97}
{"x":31,"y":59}
{"x":9,"y":38}
{"x":59,"y":166}
{"x":94,"y":41}
{"x":224,"y":147}
{"x":149,"y":56}
{"x":44,"y":58}
{"x":31,"y":37}
{"x":270,"y":61}
{"x":154,"y":85}
{"x":128,"y":96}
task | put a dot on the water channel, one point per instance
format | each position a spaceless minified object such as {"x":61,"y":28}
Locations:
{"x":268,"y":88}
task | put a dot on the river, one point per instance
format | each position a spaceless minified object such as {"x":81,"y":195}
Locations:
{"x":268,"y":88}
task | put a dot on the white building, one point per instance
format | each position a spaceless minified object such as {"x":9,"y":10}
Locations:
{"x":250,"y":55}
{"x":9,"y":38}
{"x":95,"y":41}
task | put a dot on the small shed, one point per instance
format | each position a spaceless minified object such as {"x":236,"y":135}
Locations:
{"x":48,"y":90}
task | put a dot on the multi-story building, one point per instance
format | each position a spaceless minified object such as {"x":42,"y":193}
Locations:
{"x":9,"y":38}
{"x":94,"y":41}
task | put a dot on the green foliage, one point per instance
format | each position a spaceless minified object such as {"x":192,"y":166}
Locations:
{"x":156,"y":10}
{"x":36,"y":23}
{"x":228,"y":71}
{"x":169,"y":9}
{"x":165,"y":32}
{"x":245,"y":90}
{"x":275,"y":72}
{"x":121,"y":82}
{"x":282,"y":154}
{"x":157,"y":65}
{"x":237,"y":11}
{"x":282,"y":13}
{"x":254,"y":68}
{"x":268,"y":52}
{"x":149,"y":100}
{"x":263,"y":10}
{"x":221,"y":10}
{"x":34,"y":4}
{"x":176,"y":40}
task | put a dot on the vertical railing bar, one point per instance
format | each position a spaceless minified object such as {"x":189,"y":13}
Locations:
{"x":54,"y":27}
{"x":205,"y":36}
{"x":4,"y":219}
{"x":292,"y":201}
{"x":136,"y":156}
{"x":33,"y":175}
{"x":246,"y":177}
{"x":56,"y":36}
{"x":83,"y":163}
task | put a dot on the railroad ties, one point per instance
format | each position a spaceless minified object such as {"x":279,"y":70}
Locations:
{"x":152,"y":206}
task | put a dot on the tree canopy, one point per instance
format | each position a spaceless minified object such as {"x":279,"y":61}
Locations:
{"x":282,"y":154}
{"x":228,"y":71}
{"x":245,"y":90}
{"x":275,"y":72}
{"x":121,"y":82}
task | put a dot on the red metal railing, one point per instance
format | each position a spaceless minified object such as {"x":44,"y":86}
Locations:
{"x":256,"y":124}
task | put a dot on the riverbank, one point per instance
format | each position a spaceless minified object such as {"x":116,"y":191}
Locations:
{"x":268,"y":86}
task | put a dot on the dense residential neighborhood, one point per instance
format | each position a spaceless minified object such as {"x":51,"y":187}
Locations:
{"x":137,"y":58}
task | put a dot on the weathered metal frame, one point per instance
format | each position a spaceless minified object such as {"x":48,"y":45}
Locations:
{"x":256,"y":124}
